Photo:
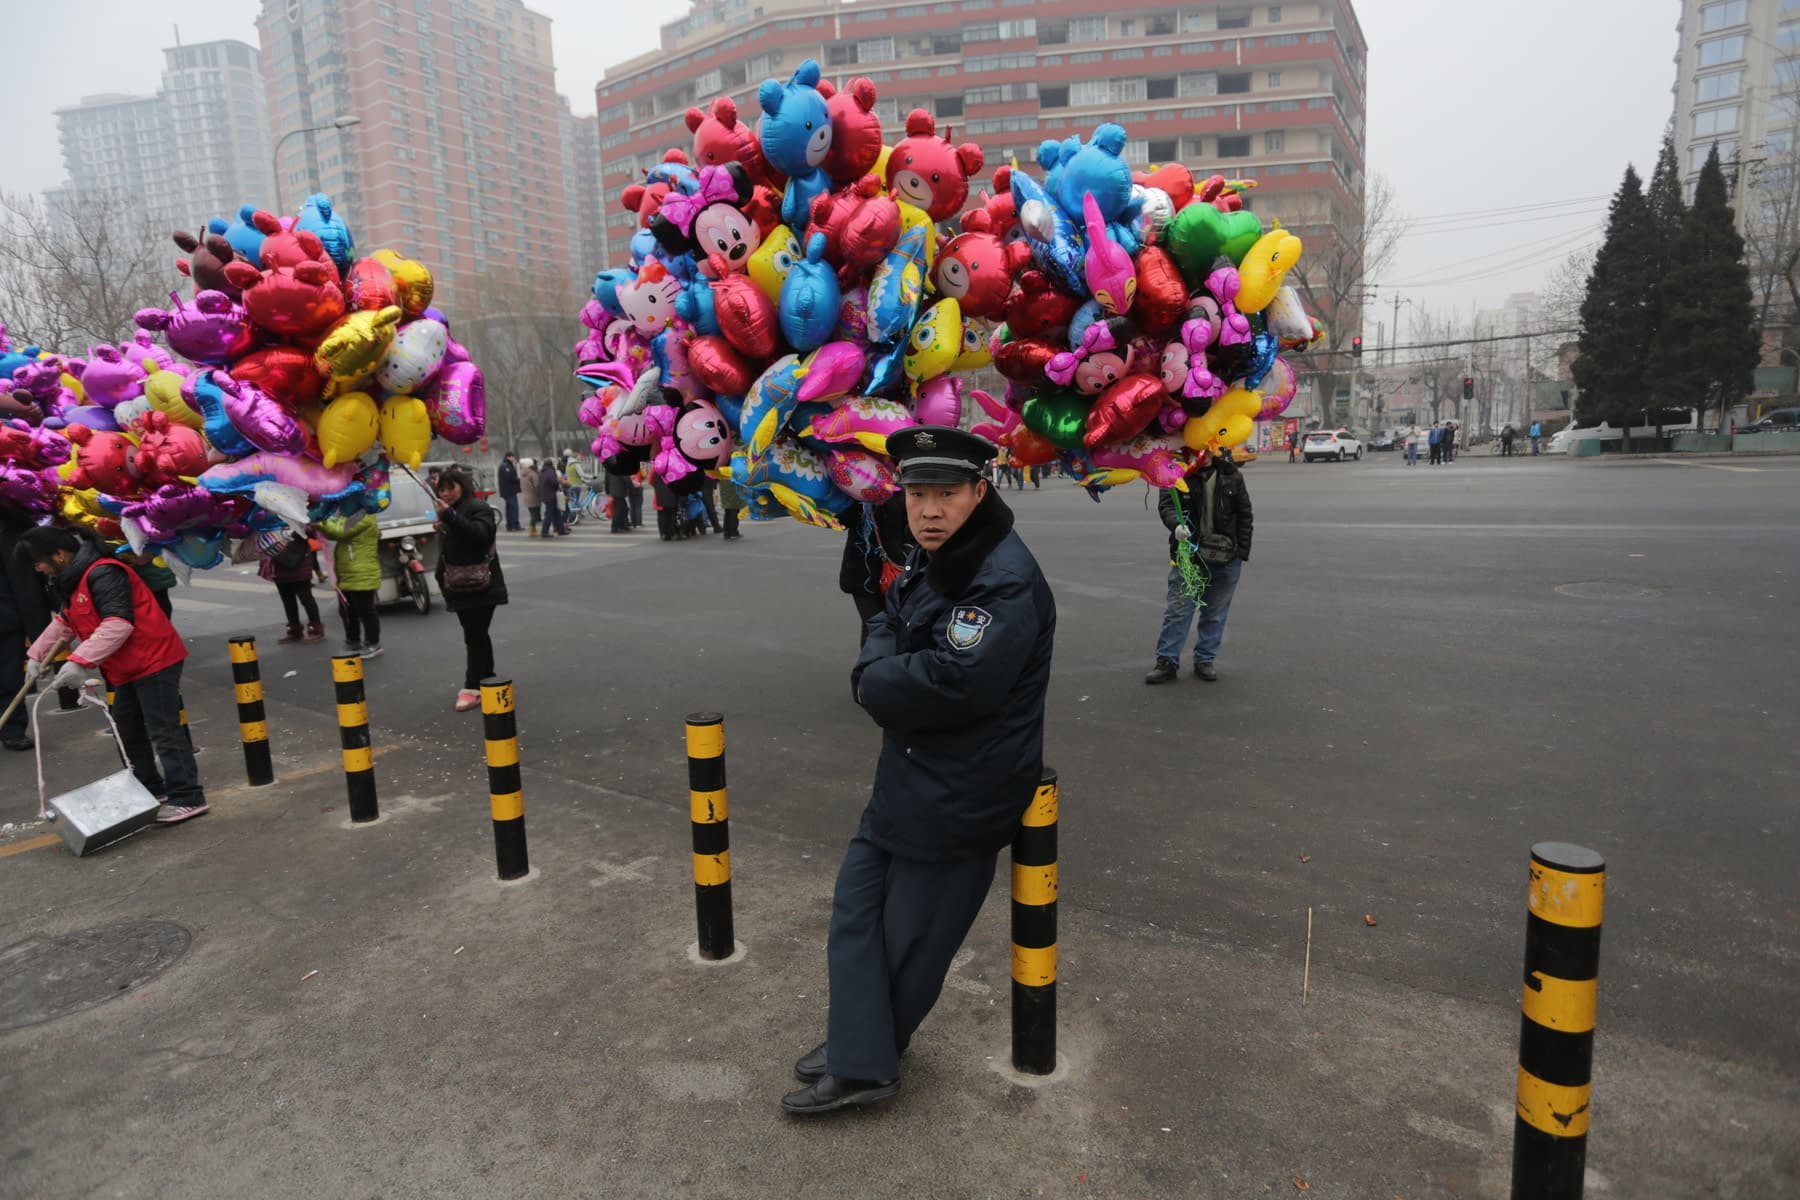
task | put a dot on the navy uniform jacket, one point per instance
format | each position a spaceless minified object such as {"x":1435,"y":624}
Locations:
{"x":955,"y":671}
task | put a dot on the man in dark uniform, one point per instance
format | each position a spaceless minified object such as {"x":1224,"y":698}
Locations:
{"x":954,"y":671}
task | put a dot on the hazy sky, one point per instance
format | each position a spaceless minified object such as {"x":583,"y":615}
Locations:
{"x":1472,"y":108}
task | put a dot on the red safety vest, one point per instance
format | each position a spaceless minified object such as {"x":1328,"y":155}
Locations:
{"x":153,"y":645}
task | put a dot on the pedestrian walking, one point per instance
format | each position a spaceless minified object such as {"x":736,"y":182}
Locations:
{"x":356,"y":554}
{"x":1537,"y":431}
{"x":528,"y":487}
{"x":876,"y":543}
{"x":732,"y":501}
{"x":124,"y":636}
{"x":618,"y":490}
{"x":954,"y":670}
{"x":549,"y":495}
{"x":23,"y":615}
{"x":1209,"y":530}
{"x":288,"y":561}
{"x":469,"y":577}
{"x":508,"y":478}
{"x":1293,"y":447}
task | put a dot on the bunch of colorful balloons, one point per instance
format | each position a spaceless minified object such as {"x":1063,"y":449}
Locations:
{"x":775,"y":322}
{"x":790,"y":302}
{"x":278,"y":392}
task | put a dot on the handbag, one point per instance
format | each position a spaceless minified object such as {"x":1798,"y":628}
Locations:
{"x":469,"y":577}
{"x":292,"y":555}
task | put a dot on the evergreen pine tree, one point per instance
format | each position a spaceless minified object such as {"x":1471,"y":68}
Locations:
{"x":1666,"y":211}
{"x":1705,"y":356}
{"x":1617,"y":318}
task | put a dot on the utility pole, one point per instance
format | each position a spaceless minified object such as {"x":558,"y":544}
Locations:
{"x":1525,"y":404}
{"x":1391,"y":354}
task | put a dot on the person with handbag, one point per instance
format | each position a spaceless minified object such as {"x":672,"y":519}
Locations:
{"x":1209,"y":540}
{"x":876,"y":543}
{"x":288,"y":562}
{"x":125,"y":637}
{"x":469,"y":576}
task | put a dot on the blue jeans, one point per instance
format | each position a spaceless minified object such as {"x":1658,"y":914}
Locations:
{"x":1215,"y":605}
{"x":512,"y":513}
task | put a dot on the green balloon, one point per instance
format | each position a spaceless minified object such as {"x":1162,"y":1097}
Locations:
{"x":1058,"y":415}
{"x":1200,"y":233}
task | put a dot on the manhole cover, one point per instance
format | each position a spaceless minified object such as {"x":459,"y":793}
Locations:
{"x":43,"y":978}
{"x":1606,"y":589}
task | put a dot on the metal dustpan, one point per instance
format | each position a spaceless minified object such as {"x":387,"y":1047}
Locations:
{"x":99,"y":813}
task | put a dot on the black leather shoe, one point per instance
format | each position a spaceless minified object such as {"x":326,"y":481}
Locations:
{"x":810,"y":1067}
{"x":1165,"y":670}
{"x":22,"y":742}
{"x":831,"y":1093}
{"x":1205,"y":671}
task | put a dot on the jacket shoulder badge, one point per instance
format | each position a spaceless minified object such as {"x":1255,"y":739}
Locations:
{"x":966,"y":627}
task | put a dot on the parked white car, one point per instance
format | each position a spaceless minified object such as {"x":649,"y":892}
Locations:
{"x":1333,"y":444}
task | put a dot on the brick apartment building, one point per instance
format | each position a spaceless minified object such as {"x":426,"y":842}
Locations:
{"x":458,"y":157}
{"x":1270,"y":91}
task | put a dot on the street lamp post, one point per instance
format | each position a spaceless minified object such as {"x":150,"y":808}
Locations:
{"x":338,"y":123}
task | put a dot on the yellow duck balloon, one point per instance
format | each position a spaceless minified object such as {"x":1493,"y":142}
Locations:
{"x":405,"y":429}
{"x":1265,"y":265}
{"x":412,"y":281}
{"x":349,"y":427}
{"x":353,"y":348}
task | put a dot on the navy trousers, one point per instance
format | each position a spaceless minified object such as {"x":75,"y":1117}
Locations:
{"x":895,"y":926}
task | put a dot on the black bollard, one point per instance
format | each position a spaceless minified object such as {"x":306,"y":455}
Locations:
{"x":1556,"y":1022}
{"x":353,"y":733}
{"x":709,"y":812}
{"x":506,"y":792}
{"x":253,"y":721}
{"x":1034,"y":889}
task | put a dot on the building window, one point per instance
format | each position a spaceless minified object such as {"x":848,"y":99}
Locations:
{"x":1274,"y":14}
{"x":1697,"y":155}
{"x":1234,"y":147}
{"x":1230,"y":85}
{"x":1160,"y":89}
{"x":1723,"y":16}
{"x":1722,"y":86}
{"x":948,"y":106}
{"x":1731,"y":49}
{"x":1717,"y":120}
{"x":1274,"y":141}
{"x":1162,"y":150}
{"x":1236,"y":19}
{"x":1053,"y":97}
{"x":1198,"y":83}
{"x":1274,"y":79}
{"x":1087,"y":29}
{"x":1787,"y":37}
{"x":875,"y":50}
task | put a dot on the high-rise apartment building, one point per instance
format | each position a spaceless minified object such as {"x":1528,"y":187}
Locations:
{"x":456,"y":159}
{"x":581,"y":176}
{"x":1269,"y":91}
{"x":1736,"y":83}
{"x":198,"y":148}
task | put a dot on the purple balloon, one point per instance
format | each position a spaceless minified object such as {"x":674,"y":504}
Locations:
{"x":33,"y":491}
{"x":177,"y":508}
{"x":212,"y":329}
{"x":458,"y":403}
{"x":261,"y":418}
{"x":92,"y":415}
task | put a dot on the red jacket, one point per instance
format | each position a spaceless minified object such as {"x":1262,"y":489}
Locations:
{"x":153,"y":645}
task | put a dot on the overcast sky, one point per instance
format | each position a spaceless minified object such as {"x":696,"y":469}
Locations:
{"x":1472,"y":108}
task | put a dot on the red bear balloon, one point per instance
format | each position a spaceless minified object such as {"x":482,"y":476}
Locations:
{"x":928,"y":173}
{"x":977,"y":270}
{"x":720,"y":138}
{"x":855,"y":130}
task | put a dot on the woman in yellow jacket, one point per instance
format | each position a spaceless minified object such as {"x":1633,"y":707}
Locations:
{"x":357,"y":557}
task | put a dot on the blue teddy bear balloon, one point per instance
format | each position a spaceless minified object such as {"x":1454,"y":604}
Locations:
{"x":1095,"y":167}
{"x":316,"y":217}
{"x":810,"y":299}
{"x":795,"y":133}
{"x":244,"y":235}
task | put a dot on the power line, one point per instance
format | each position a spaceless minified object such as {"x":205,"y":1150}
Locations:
{"x":1452,"y":267}
{"x":1452,"y":342}
{"x":1586,"y":214}
{"x":1505,"y":210}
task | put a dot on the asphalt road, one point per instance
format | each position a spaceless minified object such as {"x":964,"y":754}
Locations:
{"x":1427,"y":670}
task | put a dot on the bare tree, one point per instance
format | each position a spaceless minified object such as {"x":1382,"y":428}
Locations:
{"x":74,"y":268}
{"x":523,"y":336}
{"x":1438,"y":368}
{"x":1767,"y":190}
{"x":1565,"y":288}
{"x":1335,"y":274}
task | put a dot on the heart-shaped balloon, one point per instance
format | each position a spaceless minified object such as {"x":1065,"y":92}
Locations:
{"x":1124,"y":410}
{"x":1162,"y":294}
{"x":1058,"y":415}
{"x":1200,"y":233}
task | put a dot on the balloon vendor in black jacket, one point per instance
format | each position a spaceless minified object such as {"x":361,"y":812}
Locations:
{"x":954,"y":670}
{"x":1209,"y":526}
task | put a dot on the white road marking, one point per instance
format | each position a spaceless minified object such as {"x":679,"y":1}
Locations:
{"x":230,"y":585}
{"x":1710,"y":466}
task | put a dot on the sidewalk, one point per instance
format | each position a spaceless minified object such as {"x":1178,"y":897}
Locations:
{"x":368,"y":1012}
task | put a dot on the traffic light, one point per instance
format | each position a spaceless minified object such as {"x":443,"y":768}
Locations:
{"x":1356,"y":346}
{"x":1468,"y":388}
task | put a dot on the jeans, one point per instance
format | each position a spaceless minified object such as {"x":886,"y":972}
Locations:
{"x":637,"y":506}
{"x":362,"y":625}
{"x":148,"y":713}
{"x":1534,"y":445}
{"x":12,"y":678}
{"x":553,"y":518}
{"x":896,"y":925}
{"x":478,"y":647}
{"x":512,"y":513}
{"x":295,"y":595}
{"x":1412,"y":453}
{"x":1215,"y":606}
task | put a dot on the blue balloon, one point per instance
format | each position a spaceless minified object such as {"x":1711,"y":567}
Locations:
{"x":1060,"y":254}
{"x":895,"y":288}
{"x":695,"y":305}
{"x":316,"y":217}
{"x":810,"y":299}
{"x":219,"y":430}
{"x":244,"y":236}
{"x":606,"y":288}
{"x":1263,"y":349}
{"x":795,"y":133}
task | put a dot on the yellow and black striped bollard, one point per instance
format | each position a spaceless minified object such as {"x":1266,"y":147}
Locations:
{"x":709,"y":811}
{"x":253,"y":721}
{"x":1034,"y":933}
{"x":1556,"y":1023}
{"x":353,"y":733}
{"x":506,"y":791}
